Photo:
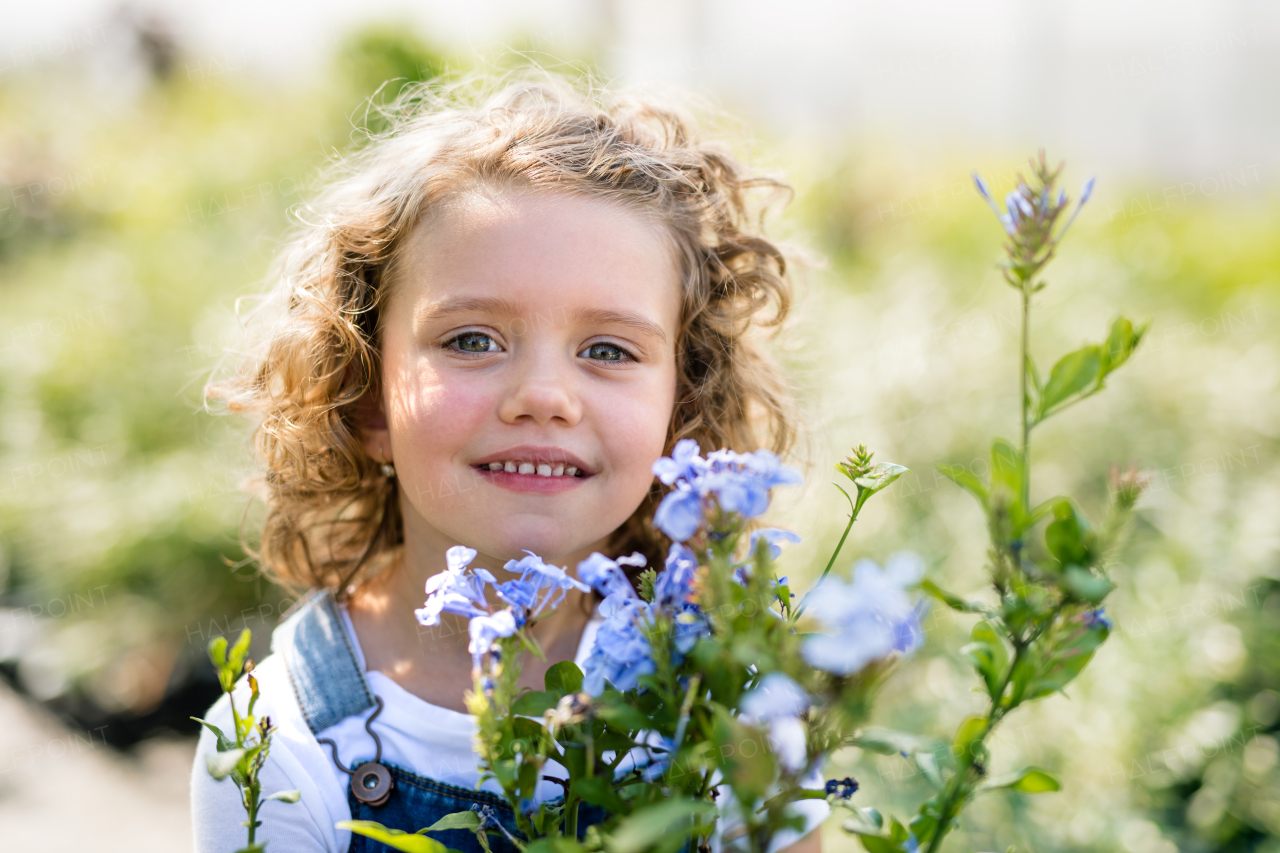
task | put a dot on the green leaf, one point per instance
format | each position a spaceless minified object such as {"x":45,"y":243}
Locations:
{"x":1069,"y":538}
{"x":553,"y":844}
{"x":970,"y":731}
{"x":286,"y":796}
{"x":1029,"y":780}
{"x":623,"y":715}
{"x":1121,"y":343}
{"x":952,"y":600}
{"x":1006,"y":467}
{"x":961,"y":476}
{"x":218,"y":651}
{"x":989,"y":657}
{"x":224,"y":742}
{"x":866,"y":821}
{"x":457,"y":820}
{"x":1074,"y":372}
{"x":1085,"y":585}
{"x":894,"y":840}
{"x":880,"y":844}
{"x":1067,"y":661}
{"x":928,"y":764}
{"x":663,"y":826}
{"x":533,"y":704}
{"x":881,"y":476}
{"x":563,"y":678}
{"x":1034,"y":375}
{"x":240,"y":651}
{"x":396,"y":839}
{"x":221,"y":764}
{"x":598,"y":791}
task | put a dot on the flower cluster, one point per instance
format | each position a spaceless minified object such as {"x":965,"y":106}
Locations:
{"x":869,"y":618}
{"x":738,"y":482}
{"x":622,"y":652}
{"x":460,"y":589}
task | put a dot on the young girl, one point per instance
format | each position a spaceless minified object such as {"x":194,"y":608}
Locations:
{"x":494,"y":322}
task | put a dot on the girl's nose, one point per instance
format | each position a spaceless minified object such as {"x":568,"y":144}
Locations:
{"x":542,"y":393}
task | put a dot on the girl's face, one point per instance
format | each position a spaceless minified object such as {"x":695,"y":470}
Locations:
{"x":528,"y":349}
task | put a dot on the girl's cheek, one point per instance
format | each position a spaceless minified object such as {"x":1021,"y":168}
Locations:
{"x":444,"y":408}
{"x":634,"y":426}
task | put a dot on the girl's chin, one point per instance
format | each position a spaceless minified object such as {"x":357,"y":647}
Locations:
{"x":553,"y":549}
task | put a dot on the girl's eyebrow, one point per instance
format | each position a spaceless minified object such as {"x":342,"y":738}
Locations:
{"x":605,"y":317}
{"x":505,"y":307}
{"x":478,"y":304}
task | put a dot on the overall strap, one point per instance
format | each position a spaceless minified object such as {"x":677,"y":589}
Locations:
{"x":321,"y":662}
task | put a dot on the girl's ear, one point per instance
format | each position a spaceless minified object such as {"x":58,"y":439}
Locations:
{"x":371,"y":421}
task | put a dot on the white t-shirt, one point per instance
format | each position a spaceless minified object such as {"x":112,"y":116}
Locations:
{"x":422,"y":738}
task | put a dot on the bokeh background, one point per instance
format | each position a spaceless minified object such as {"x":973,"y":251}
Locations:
{"x":149,"y":159}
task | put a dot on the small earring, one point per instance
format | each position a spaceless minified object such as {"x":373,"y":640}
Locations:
{"x":388,"y":470}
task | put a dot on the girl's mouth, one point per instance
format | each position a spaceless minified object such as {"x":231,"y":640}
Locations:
{"x":541,"y":470}
{"x":536,"y":469}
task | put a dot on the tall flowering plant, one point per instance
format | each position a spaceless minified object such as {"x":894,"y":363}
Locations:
{"x":1044,"y":619}
{"x":700,"y":709}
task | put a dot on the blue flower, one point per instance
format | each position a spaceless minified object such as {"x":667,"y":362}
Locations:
{"x":544,"y":576}
{"x":458,"y":589}
{"x":689,"y":626}
{"x":788,"y":740}
{"x":774,"y":536}
{"x":1087,"y":190}
{"x":673,"y":586}
{"x":605,"y":577}
{"x":869,"y":618}
{"x":673,"y":595}
{"x":1097,"y":618}
{"x":683,"y":464}
{"x":844,"y":788}
{"x":739,"y":482}
{"x":521,"y":595}
{"x":484,"y":630}
{"x":680,"y":514}
{"x":777,"y":695}
{"x":621,"y":653}
{"x":982,"y":187}
{"x":778,"y":701}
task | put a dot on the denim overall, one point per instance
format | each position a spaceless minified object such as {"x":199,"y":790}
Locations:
{"x":330,"y":687}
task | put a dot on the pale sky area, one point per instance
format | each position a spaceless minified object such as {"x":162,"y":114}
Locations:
{"x":1173,"y":89}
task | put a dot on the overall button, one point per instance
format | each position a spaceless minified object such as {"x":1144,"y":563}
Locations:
{"x":372,"y":783}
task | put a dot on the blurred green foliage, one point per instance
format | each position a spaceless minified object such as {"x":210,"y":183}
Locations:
{"x":132,"y":218}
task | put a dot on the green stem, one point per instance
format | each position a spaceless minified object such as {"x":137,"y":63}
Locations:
{"x":956,"y":784}
{"x":1026,"y":415}
{"x":854,"y":509}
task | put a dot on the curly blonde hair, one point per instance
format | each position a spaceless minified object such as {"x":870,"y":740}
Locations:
{"x":332,"y":519}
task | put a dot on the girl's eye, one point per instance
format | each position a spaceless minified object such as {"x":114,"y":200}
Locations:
{"x":606,"y":352}
{"x":474,"y":342}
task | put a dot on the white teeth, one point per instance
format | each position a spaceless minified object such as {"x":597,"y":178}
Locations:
{"x":541,"y":469}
